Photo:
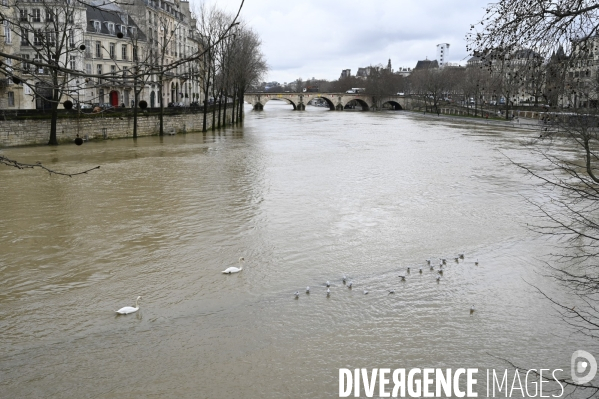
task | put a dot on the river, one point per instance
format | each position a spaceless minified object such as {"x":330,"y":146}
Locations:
{"x":305,"y":197}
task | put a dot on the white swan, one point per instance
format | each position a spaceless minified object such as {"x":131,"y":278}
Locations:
{"x":328,"y":292}
{"x":391,"y":292}
{"x":129,"y":309}
{"x":307,"y":289}
{"x":296,"y":294}
{"x":344,"y":279}
{"x":365,"y":292}
{"x":328,"y":283}
{"x":234,"y":269}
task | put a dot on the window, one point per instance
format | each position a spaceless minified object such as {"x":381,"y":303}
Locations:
{"x":24,"y":64}
{"x":37,"y":37}
{"x":98,"y":49}
{"x":71,"y":38}
{"x":73,"y":62}
{"x":24,"y":37}
{"x":111,"y":51}
{"x":11,"y":99}
{"x":7,"y":32}
{"x":88,"y":69}
{"x":49,"y":15}
{"x":111,"y":28}
{"x":51,"y":38}
{"x":40,"y":69}
{"x":88,"y":49}
{"x":97,"y":26}
{"x":134,"y":32}
{"x":70,"y":18}
{"x":113,"y":70}
{"x":99,"y":72}
{"x":35,"y":15}
{"x":135,"y":53}
{"x":101,"y":96}
{"x":23,"y":15}
{"x":124,"y":52}
{"x":124,"y":30}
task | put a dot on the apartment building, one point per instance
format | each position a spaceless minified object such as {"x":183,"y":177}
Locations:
{"x":106,"y":52}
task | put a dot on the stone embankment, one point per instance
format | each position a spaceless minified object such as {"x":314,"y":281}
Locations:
{"x":35,"y":131}
{"x":518,"y":114}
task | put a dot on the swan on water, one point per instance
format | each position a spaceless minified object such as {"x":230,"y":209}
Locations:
{"x":234,"y":269}
{"x":344,"y":278}
{"x":129,"y":309}
{"x":365,"y":292}
{"x":296,"y":294}
{"x":328,"y":292}
{"x":391,"y":292}
{"x":328,"y":284}
{"x":471,"y":309}
{"x":307,"y":289}
{"x":350,"y":284}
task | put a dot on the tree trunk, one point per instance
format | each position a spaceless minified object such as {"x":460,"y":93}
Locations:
{"x":56,"y":98}
{"x":136,"y":93}
{"x":161,"y":133}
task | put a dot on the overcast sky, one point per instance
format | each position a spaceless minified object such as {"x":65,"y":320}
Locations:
{"x":319,"y":38}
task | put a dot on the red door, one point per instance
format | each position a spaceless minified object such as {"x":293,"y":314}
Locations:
{"x":114,"y":98}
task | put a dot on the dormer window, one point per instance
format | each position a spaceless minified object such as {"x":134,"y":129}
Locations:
{"x":133,"y":32}
{"x":111,"y":28}
{"x":97,"y":26}
{"x":124,"y":30}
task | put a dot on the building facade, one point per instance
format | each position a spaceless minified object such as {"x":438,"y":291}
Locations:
{"x":106,"y":53}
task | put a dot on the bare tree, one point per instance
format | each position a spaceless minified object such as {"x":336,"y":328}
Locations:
{"x":569,"y":183}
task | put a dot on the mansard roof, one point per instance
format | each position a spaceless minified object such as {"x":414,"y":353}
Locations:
{"x":110,"y":13}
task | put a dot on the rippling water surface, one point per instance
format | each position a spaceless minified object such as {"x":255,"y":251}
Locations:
{"x":305,"y":197}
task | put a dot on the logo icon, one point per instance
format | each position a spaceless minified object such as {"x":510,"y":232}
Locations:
{"x":584,"y":367}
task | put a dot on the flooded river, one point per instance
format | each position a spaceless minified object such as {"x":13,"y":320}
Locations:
{"x":305,"y":197}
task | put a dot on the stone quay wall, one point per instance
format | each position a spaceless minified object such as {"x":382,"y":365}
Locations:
{"x":35,"y":131}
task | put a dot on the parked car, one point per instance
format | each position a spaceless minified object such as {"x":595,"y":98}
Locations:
{"x":83,"y":106}
{"x":400,"y":94}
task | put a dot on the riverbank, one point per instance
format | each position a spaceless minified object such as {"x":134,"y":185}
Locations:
{"x":14,"y":133}
{"x":518,"y":123}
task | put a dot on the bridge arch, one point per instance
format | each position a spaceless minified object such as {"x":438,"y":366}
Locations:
{"x":354,"y":102}
{"x":394,"y":105}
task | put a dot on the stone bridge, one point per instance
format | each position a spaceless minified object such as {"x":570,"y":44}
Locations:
{"x":335,"y":101}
